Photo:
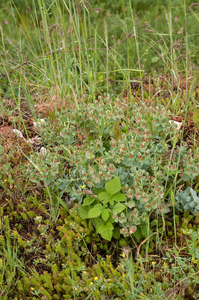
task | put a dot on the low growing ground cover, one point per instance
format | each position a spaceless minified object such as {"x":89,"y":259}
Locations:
{"x":98,"y":183}
{"x":97,"y":213}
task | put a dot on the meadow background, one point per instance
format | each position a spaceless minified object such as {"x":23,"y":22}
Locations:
{"x":98,"y":188}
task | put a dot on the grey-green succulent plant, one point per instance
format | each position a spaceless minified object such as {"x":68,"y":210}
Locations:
{"x":188,"y":200}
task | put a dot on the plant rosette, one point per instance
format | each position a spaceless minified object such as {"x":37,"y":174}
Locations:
{"x":140,"y":150}
{"x":60,"y":133}
{"x":188,"y":200}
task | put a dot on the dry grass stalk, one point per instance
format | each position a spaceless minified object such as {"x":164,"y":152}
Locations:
{"x":78,"y":9}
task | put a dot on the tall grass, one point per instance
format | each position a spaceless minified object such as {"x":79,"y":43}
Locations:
{"x":75,"y":50}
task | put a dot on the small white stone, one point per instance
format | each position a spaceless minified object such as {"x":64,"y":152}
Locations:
{"x":18,"y":132}
{"x":35,"y":140}
{"x":43,"y":151}
{"x":179,"y":124}
{"x":36,"y":124}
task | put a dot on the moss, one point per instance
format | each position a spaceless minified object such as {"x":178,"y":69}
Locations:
{"x":1,"y":211}
{"x":186,"y":213}
{"x":45,"y":293}
{"x":167,"y":223}
{"x":56,"y":297}
{"x":20,"y":286}
{"x":195,"y":227}
{"x":8,"y":209}
{"x":94,"y":248}
{"x":67,"y":288}
{"x":24,"y":216}
{"x":31,"y":214}
{"x":122,"y":242}
{"x":58,"y":288}
{"x":67,"y":296}
{"x":33,"y":282}
{"x":190,"y":217}
{"x":20,"y":226}
{"x":88,"y":240}
{"x":60,"y":222}
{"x":27,"y":284}
{"x":54,"y":269}
{"x":177,"y":220}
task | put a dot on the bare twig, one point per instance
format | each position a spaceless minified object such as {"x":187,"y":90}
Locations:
{"x":138,"y":248}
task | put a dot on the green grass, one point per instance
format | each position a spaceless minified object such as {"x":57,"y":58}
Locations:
{"x":147,"y":48}
{"x":87,"y":69}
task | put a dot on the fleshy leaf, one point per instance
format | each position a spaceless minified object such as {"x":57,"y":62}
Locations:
{"x":192,"y":204}
{"x":135,"y":213}
{"x":132,"y":229}
{"x":131,"y":204}
{"x":186,"y":207}
{"x":193,"y":193}
{"x":162,"y":209}
{"x":113,"y":186}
